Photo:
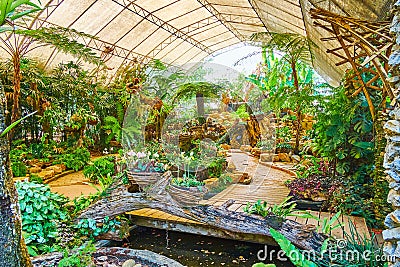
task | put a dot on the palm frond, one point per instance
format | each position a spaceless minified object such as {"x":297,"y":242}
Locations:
{"x":294,"y":46}
{"x":64,"y":40}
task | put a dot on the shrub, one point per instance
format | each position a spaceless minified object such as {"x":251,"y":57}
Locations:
{"x":18,"y":168}
{"x":77,"y":159}
{"x":99,"y":169}
{"x":41,"y":210}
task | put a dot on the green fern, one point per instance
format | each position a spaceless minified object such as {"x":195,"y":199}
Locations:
{"x":294,"y":254}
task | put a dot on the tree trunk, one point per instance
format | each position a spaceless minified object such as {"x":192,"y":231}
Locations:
{"x":119,"y":201}
{"x":298,"y":108}
{"x":13,"y":252}
{"x":15,"y":114}
{"x":200,"y":107}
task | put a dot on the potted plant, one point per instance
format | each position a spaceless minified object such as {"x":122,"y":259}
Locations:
{"x":187,"y":190}
{"x":143,"y":167}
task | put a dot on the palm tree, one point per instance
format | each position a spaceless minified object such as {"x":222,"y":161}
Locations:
{"x":17,"y":43}
{"x":296,"y":49}
{"x":18,"y":40}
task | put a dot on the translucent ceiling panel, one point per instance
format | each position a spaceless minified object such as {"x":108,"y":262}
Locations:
{"x":181,"y":59}
{"x":177,"y":9}
{"x":190,"y":18}
{"x":138,"y":34}
{"x":224,"y":44}
{"x":235,"y":10}
{"x":176,"y":52}
{"x":168,"y":49}
{"x":119,"y":26}
{"x":98,"y":16}
{"x":210,"y":32}
{"x":152,"y":5}
{"x":69,"y":11}
{"x":204,"y":28}
{"x":218,"y":38}
{"x":152,"y":41}
{"x":197,"y":58}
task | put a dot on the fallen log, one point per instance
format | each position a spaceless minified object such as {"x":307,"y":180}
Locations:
{"x":119,"y":201}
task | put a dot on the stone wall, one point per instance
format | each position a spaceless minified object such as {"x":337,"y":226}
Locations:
{"x":392,"y":153}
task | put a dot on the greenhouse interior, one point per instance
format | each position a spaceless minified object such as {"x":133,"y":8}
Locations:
{"x":199,"y":133}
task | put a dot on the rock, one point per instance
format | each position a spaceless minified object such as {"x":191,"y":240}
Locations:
{"x":393,"y":175}
{"x":266,"y":157}
{"x":235,"y":176}
{"x":284,"y":157}
{"x":231,"y":167}
{"x":225,"y":146}
{"x":395,"y":186}
{"x":55,"y":168}
{"x":63,"y":167}
{"x":256,"y":151}
{"x":102,"y":258}
{"x":391,"y":234}
{"x":46,"y":174}
{"x":129,"y":263}
{"x":35,"y":169}
{"x":393,"y":198}
{"x":245,"y":179}
{"x":211,"y":182}
{"x":245,"y":148}
{"x":296,"y":158}
{"x":392,"y":127}
{"x":389,"y":248}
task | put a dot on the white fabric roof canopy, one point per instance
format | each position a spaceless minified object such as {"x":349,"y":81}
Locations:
{"x":183,"y":31}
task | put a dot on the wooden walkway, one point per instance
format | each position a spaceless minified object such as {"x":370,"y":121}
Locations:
{"x":267,"y":185}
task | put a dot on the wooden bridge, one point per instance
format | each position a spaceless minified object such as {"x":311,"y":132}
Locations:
{"x":267,"y":185}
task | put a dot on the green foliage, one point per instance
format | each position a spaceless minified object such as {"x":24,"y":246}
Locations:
{"x":100,"y":168}
{"x":18,"y":168}
{"x":90,"y":228}
{"x":344,"y":136}
{"x":64,"y":40}
{"x":294,"y":254}
{"x":41,"y":210}
{"x":77,"y":159}
{"x":242,"y":113}
{"x":78,"y":256}
{"x":10,"y":10}
{"x":113,"y":126}
{"x":187,"y":182}
{"x":14,"y":124}
{"x":189,"y":90}
{"x":282,"y":210}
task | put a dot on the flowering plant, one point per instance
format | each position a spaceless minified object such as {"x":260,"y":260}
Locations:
{"x":314,"y":180}
{"x":143,"y":161}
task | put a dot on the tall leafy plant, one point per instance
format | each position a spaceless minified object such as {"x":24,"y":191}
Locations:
{"x":296,"y":87}
{"x":20,"y":39}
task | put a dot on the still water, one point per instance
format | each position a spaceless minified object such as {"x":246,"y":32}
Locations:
{"x":196,"y":250}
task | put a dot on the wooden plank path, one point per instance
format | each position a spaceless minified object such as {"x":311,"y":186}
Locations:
{"x":267,"y":185}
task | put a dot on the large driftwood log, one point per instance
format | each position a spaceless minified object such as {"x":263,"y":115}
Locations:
{"x":119,"y":201}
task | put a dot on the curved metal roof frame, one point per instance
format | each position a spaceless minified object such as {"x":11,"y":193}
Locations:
{"x":183,"y":31}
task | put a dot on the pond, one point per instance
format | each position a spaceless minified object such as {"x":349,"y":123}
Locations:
{"x":196,"y":250}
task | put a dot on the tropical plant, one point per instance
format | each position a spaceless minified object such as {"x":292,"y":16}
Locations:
{"x":90,"y":228}
{"x":41,"y":210}
{"x":77,"y":159}
{"x":187,"y":182}
{"x":100,"y":168}
{"x":262,"y":208}
{"x":289,"y":80}
{"x":78,"y":256}
{"x":294,"y":254}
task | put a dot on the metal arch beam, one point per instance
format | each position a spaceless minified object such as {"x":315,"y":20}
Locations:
{"x":257,"y":10}
{"x":210,"y":8}
{"x":135,"y":8}
{"x":170,"y":39}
